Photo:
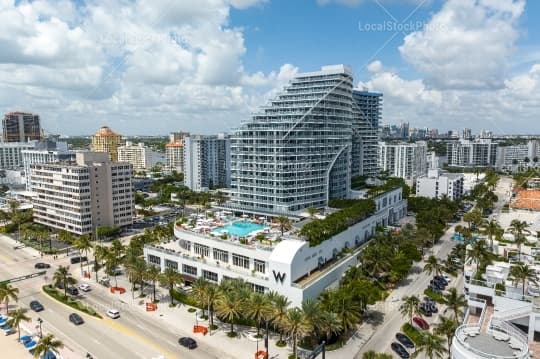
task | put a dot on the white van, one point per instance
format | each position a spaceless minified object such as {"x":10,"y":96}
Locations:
{"x":113,"y":313}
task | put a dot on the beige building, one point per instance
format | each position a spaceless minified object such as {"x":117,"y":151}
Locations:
{"x":105,"y":140}
{"x":174,"y":155}
{"x":79,"y":197}
{"x":138,"y":155}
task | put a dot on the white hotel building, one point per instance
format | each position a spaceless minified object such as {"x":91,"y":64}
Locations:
{"x":289,"y":266}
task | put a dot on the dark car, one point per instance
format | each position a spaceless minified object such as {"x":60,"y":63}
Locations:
{"x":72,"y":291}
{"x":78,"y":259}
{"x":42,"y":265}
{"x":76,"y":319}
{"x":105,"y":282}
{"x":429,"y":300}
{"x":36,"y":306}
{"x":187,"y":342}
{"x":400,"y":350}
{"x":405,"y":340}
{"x":434,"y":288}
{"x":433,"y":308}
{"x":425,"y":310}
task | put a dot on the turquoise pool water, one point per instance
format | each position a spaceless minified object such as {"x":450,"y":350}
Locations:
{"x":239,"y":228}
{"x":458,"y":237}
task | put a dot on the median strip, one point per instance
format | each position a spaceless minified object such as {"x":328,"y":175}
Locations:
{"x":72,"y":303}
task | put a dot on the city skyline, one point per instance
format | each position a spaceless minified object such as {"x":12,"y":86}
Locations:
{"x":154,"y":70}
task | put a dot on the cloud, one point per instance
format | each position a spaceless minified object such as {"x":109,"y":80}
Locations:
{"x":375,"y":66}
{"x":355,"y":3}
{"x":467,"y":44}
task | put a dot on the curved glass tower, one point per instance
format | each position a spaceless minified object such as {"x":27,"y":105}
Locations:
{"x":296,"y":151}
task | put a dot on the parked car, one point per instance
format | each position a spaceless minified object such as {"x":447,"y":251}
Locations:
{"x":421,"y":323}
{"x":425,"y":310}
{"x":105,"y":282}
{"x":433,"y":307}
{"x":76,"y":319}
{"x":72,"y":291}
{"x":533,"y":291}
{"x":434,"y":288}
{"x":405,"y":340}
{"x":400,"y":350}
{"x":113,"y":313}
{"x":187,"y":342}
{"x":78,"y":259}
{"x":41,"y":265}
{"x":36,"y":306}
{"x":85,"y":287}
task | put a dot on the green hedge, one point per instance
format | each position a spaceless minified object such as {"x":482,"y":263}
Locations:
{"x":184,"y":298}
{"x":352,"y":212}
{"x":412,"y":333}
{"x":75,"y":304}
{"x":434,"y":295}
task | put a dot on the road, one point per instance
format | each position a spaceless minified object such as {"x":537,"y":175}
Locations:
{"x":415,"y":284}
{"x":134,"y":335}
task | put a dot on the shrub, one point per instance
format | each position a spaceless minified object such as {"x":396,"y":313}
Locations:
{"x":281,"y":343}
{"x":192,"y":310}
{"x":434,"y":295}
{"x":412,"y":333}
{"x":232,"y":334}
{"x":184,"y":298}
{"x":75,"y":304}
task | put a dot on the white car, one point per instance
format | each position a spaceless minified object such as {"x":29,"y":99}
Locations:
{"x":533,"y":291}
{"x":113,"y":313}
{"x":85,"y":287}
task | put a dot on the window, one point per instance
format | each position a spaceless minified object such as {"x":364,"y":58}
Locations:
{"x":240,"y":261}
{"x":152,"y":259}
{"x":189,"y":270}
{"x":211,"y":276}
{"x":185,"y":245}
{"x":258,"y":288}
{"x":259,"y":266}
{"x":171,"y":264}
{"x":220,"y":255}
{"x":203,"y":251}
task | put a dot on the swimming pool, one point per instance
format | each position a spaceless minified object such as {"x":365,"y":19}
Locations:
{"x":239,"y":228}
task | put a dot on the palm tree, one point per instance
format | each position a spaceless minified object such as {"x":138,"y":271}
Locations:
{"x":199,"y":291}
{"x":490,"y":229}
{"x":136,"y":271}
{"x":284,"y":224}
{"x":100,"y":253}
{"x":454,"y":302}
{"x":347,"y":309}
{"x":312,"y":315}
{"x":431,"y":345}
{"x":212,"y":295}
{"x":312,"y":211}
{"x":16,"y":318}
{"x":229,"y":306}
{"x":410,"y":307}
{"x":169,"y":278}
{"x":63,"y":276}
{"x":7,"y":293}
{"x":518,"y":229}
{"x":522,"y":273}
{"x":258,"y":308}
{"x":447,"y":328}
{"x":479,"y":253}
{"x":83,"y":245}
{"x":433,"y":266}
{"x":329,"y":324}
{"x":279,"y":303}
{"x":46,"y":344}
{"x":294,"y":325}
{"x":153,"y":274}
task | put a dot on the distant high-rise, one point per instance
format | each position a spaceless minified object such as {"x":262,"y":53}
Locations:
{"x":367,"y":109}
{"x":404,"y":129}
{"x":105,"y":140}
{"x":296,"y":151}
{"x":21,"y":127}
{"x":472,"y":153}
{"x":177,"y":136}
{"x":405,"y":160}
{"x":174,"y":156}
{"x":206,"y":162}
{"x":138,"y":155}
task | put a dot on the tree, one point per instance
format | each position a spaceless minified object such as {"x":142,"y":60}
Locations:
{"x":199,"y":291}
{"x":100,"y":253}
{"x":258,"y":308}
{"x":63,"y":276}
{"x":113,"y":258}
{"x":454,"y":302}
{"x":212,"y":295}
{"x":522,"y":273}
{"x":284,"y":224}
{"x":479,"y":253}
{"x":329,"y":324}
{"x":136,"y":271}
{"x":491,"y":229}
{"x":229,"y":306}
{"x":473,"y":218}
{"x":7,"y":293}
{"x":295,"y":326}
{"x":433,"y":266}
{"x":153,"y":274}
{"x":312,"y":316}
{"x":169,"y":278}
{"x":46,"y":344}
{"x":410,"y":307}
{"x":518,"y":229}
{"x":279,"y":304}
{"x":14,"y":214}
{"x":83,"y":245}
{"x":431,"y":346}
{"x":16,"y":318}
{"x":447,"y":328}
{"x":374,"y":355}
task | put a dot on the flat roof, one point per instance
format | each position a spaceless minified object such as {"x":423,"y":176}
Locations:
{"x":489,"y":345}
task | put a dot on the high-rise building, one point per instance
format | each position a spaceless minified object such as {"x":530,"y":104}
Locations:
{"x":296,"y":151}
{"x":405,"y":160}
{"x":174,"y":156}
{"x":466,"y":134}
{"x":206,"y":162}
{"x":46,"y":151}
{"x":105,"y":140}
{"x":438,"y":184}
{"x":79,"y":197}
{"x":367,"y":110}
{"x":472,"y":153}
{"x":512,"y":158}
{"x":21,"y":127}
{"x":11,"y":156}
{"x":404,"y":129}
{"x":138,"y":155}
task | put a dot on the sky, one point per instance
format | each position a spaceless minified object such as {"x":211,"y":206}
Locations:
{"x":151,"y":67}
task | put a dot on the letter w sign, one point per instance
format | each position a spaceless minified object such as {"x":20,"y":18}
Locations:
{"x":279,"y":277}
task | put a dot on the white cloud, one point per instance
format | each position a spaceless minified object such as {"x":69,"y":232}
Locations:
{"x":375,"y":66}
{"x":354,"y":3}
{"x":467,"y":44}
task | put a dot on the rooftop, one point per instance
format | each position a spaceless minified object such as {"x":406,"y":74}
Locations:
{"x":527,"y":199}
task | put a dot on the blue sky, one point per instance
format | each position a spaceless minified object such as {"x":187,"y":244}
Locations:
{"x":84,"y":64}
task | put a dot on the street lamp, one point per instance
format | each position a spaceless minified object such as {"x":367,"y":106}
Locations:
{"x":40,"y":321}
